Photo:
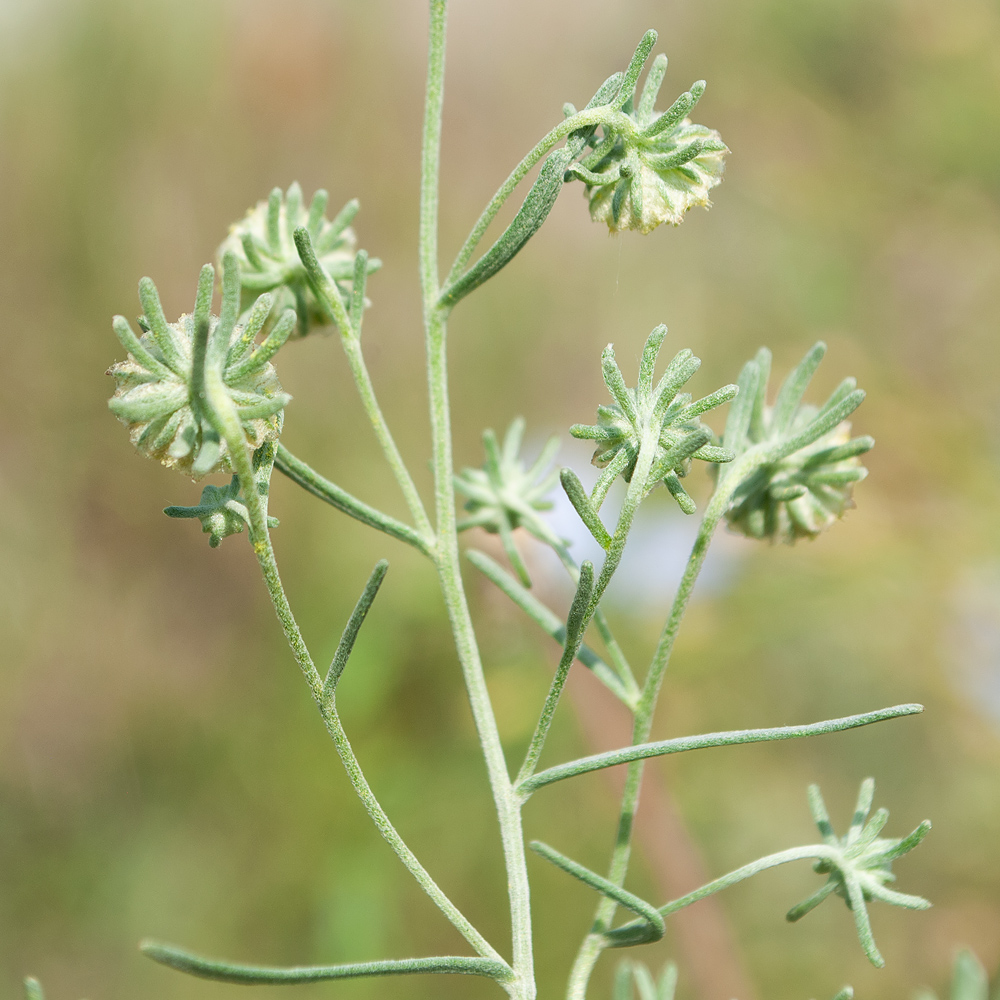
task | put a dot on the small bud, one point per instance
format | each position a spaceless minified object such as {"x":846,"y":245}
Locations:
{"x":859,"y":865}
{"x":264,"y":243}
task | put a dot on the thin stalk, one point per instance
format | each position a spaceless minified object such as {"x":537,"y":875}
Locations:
{"x":809,"y":852}
{"x":594,"y":943}
{"x":333,"y":303}
{"x":617,"y":657}
{"x":229,"y":426}
{"x":522,"y":987}
{"x":582,"y":119}
{"x":312,"y":482}
{"x":356,"y":361}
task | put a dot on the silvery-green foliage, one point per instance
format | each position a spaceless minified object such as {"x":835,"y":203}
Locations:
{"x":650,"y":167}
{"x":264,"y":242}
{"x":201,"y":395}
{"x":661,"y":409}
{"x":160,"y":386}
{"x":221,"y":509}
{"x":859,"y":866}
{"x":504,"y":495}
{"x":811,"y":461}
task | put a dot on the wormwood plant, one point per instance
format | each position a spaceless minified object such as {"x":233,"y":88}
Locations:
{"x":201,"y":395}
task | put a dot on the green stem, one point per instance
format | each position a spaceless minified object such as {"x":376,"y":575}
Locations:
{"x":590,"y":117}
{"x":312,"y":482}
{"x":330,"y":298}
{"x":593,"y":944}
{"x":446,"y":552}
{"x":352,"y":348}
{"x":228,"y":423}
{"x":812,"y":851}
{"x":256,"y":975}
{"x":680,"y":744}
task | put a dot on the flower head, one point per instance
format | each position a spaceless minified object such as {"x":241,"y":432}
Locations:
{"x":660,"y":410}
{"x":160,"y":387}
{"x":650,"y":167}
{"x":859,"y":864}
{"x":812,"y":462}
{"x":264,"y":243}
{"x":504,"y":495}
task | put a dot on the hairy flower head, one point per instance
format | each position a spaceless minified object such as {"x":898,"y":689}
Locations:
{"x":160,"y":387}
{"x":812,"y":463}
{"x":661,"y":410}
{"x":504,"y":495}
{"x":264,"y":243}
{"x":650,"y":167}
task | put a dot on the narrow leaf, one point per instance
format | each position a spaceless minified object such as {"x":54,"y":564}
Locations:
{"x":231,"y":972}
{"x":229,"y":311}
{"x":274,"y":219}
{"x":792,"y":390}
{"x":128,"y":339}
{"x":317,"y":209}
{"x":529,"y":218}
{"x":680,"y":744}
{"x":158,"y":326}
{"x":635,"y":65}
{"x":358,"y":292}
{"x":270,"y":346}
{"x":354,"y":623}
{"x":578,"y":498}
{"x":656,"y":925}
{"x":651,"y":88}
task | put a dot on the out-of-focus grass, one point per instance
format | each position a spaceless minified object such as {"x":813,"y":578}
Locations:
{"x":161,"y":771}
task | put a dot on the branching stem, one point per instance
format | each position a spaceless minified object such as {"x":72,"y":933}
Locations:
{"x":522,"y":987}
{"x":228,"y":424}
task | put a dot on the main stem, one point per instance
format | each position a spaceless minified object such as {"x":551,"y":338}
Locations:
{"x":446,"y":550}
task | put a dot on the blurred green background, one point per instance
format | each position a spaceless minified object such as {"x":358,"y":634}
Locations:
{"x":162,"y":771}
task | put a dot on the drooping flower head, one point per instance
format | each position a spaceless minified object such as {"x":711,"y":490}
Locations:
{"x":650,"y":167}
{"x":808,"y":481}
{"x":160,"y":387}
{"x":264,"y":243}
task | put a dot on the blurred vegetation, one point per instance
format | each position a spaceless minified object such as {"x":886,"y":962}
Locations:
{"x":161,"y":769}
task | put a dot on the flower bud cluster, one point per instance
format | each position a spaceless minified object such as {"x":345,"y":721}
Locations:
{"x":650,"y":167}
{"x":859,"y":865}
{"x":812,"y":464}
{"x":160,"y":392}
{"x":504,"y":495}
{"x":662,"y":409}
{"x":264,"y":243}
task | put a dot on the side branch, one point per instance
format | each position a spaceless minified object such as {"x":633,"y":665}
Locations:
{"x":312,"y":482}
{"x":256,"y":975}
{"x":628,"y":754}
